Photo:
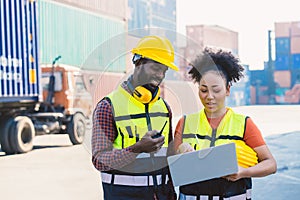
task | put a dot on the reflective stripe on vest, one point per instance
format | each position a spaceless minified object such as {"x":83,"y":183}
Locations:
{"x":133,"y":118}
{"x":199,"y":134}
{"x":133,"y":180}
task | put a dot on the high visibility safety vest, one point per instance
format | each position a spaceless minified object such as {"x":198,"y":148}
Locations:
{"x":133,"y":119}
{"x":199,"y":134}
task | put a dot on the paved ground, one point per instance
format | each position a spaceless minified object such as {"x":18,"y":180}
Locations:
{"x":57,"y":170}
{"x":281,"y":128}
{"x":285,"y":184}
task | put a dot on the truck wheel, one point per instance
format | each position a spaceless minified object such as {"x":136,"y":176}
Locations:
{"x":5,"y":136}
{"x":76,"y":129}
{"x":22,"y":134}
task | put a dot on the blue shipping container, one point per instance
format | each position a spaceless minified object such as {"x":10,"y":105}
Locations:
{"x":282,"y":45}
{"x":295,"y":76}
{"x":282,"y":62}
{"x":296,"y":61}
{"x":19,"y":73}
{"x":258,"y":77}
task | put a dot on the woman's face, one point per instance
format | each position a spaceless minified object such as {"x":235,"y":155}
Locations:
{"x":213,"y":92}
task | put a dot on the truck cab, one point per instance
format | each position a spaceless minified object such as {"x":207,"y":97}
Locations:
{"x":65,"y":107}
{"x":70,"y":92}
{"x":70,"y":99}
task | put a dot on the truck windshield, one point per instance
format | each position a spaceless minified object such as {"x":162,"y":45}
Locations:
{"x":58,"y":81}
{"x":79,"y":83}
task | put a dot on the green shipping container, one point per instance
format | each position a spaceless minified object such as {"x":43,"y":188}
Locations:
{"x":75,"y":33}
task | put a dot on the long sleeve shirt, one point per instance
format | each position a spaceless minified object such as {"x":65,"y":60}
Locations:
{"x":104,"y":156}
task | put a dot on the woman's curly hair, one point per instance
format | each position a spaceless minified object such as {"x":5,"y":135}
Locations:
{"x":221,"y":61}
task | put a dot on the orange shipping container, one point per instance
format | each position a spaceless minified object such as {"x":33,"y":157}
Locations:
{"x":295,"y":45}
{"x":295,"y":29}
{"x":213,"y":36}
{"x":282,"y":29}
{"x":283,"y":78}
{"x":194,"y":35}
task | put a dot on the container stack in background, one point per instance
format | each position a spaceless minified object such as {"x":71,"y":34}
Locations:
{"x":214,"y":36}
{"x":287,"y":61}
{"x":295,"y":51}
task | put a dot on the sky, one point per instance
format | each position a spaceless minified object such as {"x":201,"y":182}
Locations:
{"x":250,"y":18}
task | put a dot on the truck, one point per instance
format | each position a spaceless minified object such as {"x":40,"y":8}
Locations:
{"x":36,"y":99}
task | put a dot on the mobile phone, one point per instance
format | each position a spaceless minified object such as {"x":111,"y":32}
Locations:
{"x":160,"y":132}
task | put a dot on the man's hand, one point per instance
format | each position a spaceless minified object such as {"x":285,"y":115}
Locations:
{"x":148,"y":144}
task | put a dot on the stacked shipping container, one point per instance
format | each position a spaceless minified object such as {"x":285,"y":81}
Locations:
{"x":200,"y":36}
{"x":295,"y":51}
{"x":287,"y":63}
{"x":214,"y":36}
{"x":19,"y":73}
{"x":287,"y":46}
{"x":74,"y":29}
{"x":282,"y":45}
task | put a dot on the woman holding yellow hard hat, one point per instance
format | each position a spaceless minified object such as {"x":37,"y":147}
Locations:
{"x":217,"y":124}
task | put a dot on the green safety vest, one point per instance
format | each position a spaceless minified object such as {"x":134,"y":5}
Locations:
{"x":199,"y":134}
{"x":133,"y":118}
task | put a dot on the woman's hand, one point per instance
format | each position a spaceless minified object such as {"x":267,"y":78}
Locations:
{"x":184,"y":147}
{"x":237,"y":176}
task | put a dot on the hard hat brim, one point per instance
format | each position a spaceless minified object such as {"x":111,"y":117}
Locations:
{"x":157,"y":59}
{"x":164,"y":62}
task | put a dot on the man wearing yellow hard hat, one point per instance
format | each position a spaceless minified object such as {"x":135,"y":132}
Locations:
{"x":132,"y":129}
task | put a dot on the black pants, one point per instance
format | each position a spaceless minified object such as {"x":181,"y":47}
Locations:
{"x":121,"y":192}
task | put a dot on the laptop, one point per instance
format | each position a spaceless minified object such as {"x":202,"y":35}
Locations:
{"x":205,"y":164}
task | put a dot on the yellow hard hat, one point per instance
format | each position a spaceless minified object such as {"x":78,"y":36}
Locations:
{"x":156,"y":48}
{"x":246,"y":156}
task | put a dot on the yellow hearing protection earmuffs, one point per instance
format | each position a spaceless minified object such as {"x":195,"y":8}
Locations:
{"x":142,"y":94}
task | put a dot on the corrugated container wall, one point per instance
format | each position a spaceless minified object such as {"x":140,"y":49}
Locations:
{"x":295,"y":29}
{"x":282,"y":29}
{"x":212,"y":36}
{"x":295,"y":76}
{"x":295,"y":45}
{"x":282,"y":45}
{"x":282,"y":62}
{"x":155,"y":13}
{"x":195,"y":35}
{"x":153,"y":17}
{"x":283,"y":78}
{"x":164,"y":14}
{"x":138,"y":15}
{"x":19,"y":73}
{"x":240,"y":92}
{"x":296,"y":61}
{"x":220,"y":37}
{"x":258,"y":77}
{"x":74,"y":33}
{"x":113,"y":8}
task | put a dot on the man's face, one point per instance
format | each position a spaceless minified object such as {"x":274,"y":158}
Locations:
{"x":150,"y":73}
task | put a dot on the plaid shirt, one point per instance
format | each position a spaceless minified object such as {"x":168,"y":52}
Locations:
{"x":104,"y":156}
